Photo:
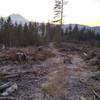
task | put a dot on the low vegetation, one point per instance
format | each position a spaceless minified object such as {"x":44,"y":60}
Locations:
{"x":56,"y":86}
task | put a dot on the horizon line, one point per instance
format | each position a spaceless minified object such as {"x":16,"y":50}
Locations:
{"x":89,"y":24}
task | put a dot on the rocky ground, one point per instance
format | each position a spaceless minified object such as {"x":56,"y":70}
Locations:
{"x":65,"y":71}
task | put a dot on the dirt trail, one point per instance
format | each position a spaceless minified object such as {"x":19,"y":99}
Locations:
{"x":76,"y":73}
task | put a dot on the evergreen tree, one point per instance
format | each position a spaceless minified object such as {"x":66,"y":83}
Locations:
{"x":25,"y":35}
{"x":1,"y":30}
{"x":19,"y":35}
{"x":75,"y":32}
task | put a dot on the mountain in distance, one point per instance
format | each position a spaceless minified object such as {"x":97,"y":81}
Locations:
{"x":17,"y":18}
{"x":96,"y":28}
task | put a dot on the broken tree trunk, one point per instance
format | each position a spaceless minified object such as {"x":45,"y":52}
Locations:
{"x":10,"y":90}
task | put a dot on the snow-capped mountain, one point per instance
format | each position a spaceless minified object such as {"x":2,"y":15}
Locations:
{"x":16,"y":18}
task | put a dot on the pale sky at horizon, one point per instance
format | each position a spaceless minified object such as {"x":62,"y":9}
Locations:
{"x":85,"y":12}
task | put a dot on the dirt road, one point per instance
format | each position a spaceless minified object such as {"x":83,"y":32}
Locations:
{"x":77,"y":75}
{"x":32,"y":76}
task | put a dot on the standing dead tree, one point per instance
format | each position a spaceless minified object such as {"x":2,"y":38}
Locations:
{"x":58,"y":11}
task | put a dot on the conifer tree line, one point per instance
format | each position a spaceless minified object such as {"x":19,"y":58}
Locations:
{"x":33,"y":33}
{"x":82,"y":34}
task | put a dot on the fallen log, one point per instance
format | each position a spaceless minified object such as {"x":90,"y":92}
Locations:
{"x":7,"y":98}
{"x":93,"y":91}
{"x":10,"y":76}
{"x":5,"y":86}
{"x":19,"y":74}
{"x":10,"y":90}
{"x":96,"y":94}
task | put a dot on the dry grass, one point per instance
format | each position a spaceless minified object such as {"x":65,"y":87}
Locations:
{"x":55,"y":87}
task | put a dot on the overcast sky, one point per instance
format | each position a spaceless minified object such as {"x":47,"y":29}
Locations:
{"x":76,"y":11}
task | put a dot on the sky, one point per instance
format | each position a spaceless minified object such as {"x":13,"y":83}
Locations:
{"x":86,"y":12}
